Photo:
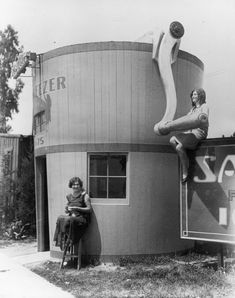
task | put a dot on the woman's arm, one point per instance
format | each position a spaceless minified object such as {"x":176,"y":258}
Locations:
{"x":86,"y":209}
{"x":205,"y":109}
{"x":67,"y":211}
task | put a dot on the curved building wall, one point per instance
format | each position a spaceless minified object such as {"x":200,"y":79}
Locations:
{"x":106,"y":97}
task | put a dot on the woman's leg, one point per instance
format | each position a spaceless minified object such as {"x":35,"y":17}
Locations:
{"x":177,"y":145}
{"x":184,"y":160}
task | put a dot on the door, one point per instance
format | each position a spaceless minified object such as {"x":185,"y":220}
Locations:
{"x":42,"y":204}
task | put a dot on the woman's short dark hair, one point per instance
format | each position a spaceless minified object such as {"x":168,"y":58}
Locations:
{"x":201,"y":95}
{"x":75,"y":179}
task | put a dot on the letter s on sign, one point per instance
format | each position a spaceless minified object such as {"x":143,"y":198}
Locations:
{"x":39,"y":141}
{"x":210,"y":176}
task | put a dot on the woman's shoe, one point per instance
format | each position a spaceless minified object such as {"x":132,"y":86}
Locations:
{"x":184,"y":178}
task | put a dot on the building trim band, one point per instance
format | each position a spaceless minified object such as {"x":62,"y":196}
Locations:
{"x":103,"y":147}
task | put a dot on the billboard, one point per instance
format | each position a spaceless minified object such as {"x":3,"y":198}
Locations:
{"x":207,"y":200}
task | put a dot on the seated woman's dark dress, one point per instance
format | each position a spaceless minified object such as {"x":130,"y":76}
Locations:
{"x":72,"y":225}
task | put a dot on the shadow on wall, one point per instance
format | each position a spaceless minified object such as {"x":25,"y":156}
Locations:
{"x":92,"y":242}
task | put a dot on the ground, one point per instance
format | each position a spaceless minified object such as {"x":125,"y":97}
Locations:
{"x":192,"y":275}
{"x":14,"y":248}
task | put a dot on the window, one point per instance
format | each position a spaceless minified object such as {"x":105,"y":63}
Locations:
{"x":39,"y":122}
{"x":107,"y":176}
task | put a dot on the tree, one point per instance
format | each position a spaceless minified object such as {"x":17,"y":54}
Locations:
{"x":9,"y":49}
{"x":25,"y":190}
{"x":7,"y":191}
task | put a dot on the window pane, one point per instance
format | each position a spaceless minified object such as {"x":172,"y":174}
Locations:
{"x":117,"y":165}
{"x":98,"y":187}
{"x":117,"y":188}
{"x":40,"y":122}
{"x":43,"y":126}
{"x":43,"y":116}
{"x":98,"y":165}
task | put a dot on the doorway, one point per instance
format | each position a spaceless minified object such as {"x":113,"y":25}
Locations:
{"x":42,"y":204}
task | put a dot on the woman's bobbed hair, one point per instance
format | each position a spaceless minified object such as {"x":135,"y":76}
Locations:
{"x":201,"y":95}
{"x":75,"y":179}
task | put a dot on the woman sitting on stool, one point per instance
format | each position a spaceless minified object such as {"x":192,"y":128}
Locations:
{"x":78,"y":209}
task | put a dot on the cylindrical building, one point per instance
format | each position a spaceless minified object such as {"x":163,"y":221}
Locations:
{"x":95,"y":106}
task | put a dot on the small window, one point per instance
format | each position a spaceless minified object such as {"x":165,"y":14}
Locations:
{"x":39,"y":122}
{"x":107,"y":176}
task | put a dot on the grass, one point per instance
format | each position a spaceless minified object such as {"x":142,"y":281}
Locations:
{"x":180,"y":277}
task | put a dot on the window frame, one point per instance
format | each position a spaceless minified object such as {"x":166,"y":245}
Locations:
{"x":39,"y":122}
{"x":109,"y":201}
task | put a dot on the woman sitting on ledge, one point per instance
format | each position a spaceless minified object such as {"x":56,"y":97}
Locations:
{"x":78,"y":209}
{"x":191,"y":138}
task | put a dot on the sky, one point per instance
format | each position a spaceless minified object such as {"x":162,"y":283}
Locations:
{"x":209,"y":25}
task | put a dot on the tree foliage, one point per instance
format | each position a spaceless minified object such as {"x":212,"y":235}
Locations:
{"x":25,"y":190}
{"x":9,"y":49}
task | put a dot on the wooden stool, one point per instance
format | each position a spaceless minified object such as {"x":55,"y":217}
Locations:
{"x":72,"y":251}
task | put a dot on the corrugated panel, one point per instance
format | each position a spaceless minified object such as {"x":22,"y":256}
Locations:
{"x":143,"y":227}
{"x":10,"y":144}
{"x":112,"y":96}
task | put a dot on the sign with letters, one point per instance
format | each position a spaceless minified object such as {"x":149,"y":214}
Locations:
{"x":207,"y":200}
{"x":22,"y":61}
{"x":43,"y":92}
{"x":40,"y":140}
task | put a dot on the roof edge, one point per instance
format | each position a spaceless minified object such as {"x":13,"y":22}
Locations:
{"x":112,"y":46}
